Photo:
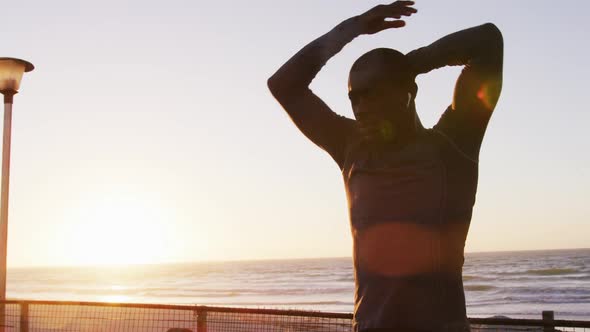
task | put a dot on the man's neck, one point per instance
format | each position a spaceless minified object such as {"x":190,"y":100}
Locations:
{"x":405,"y":135}
{"x":399,"y":139}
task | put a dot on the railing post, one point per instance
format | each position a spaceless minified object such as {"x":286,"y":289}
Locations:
{"x":548,"y":317}
{"x":201,"y":321}
{"x":2,"y":315}
{"x":24,"y":317}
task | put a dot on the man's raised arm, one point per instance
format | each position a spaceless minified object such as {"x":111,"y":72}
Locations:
{"x":290,"y":84}
{"x":480,"y":49}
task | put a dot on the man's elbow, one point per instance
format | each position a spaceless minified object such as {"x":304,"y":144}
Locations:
{"x":493,"y":37}
{"x":283,"y":89}
{"x":278,"y":85}
{"x":274,"y":85}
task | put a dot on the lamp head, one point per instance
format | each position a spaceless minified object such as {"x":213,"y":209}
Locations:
{"x":11,"y":74}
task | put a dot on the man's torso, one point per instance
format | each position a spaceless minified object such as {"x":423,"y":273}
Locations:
{"x":410,"y":211}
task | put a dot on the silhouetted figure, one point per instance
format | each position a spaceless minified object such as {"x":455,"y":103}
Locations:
{"x":410,"y":190}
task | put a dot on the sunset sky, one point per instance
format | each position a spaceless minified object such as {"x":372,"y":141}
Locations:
{"x":146,"y":133}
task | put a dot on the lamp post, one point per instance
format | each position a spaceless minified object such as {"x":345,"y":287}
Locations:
{"x":11,"y":73}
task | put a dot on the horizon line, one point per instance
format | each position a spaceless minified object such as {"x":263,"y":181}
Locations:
{"x":252,"y":260}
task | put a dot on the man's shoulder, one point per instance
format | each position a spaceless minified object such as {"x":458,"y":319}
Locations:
{"x":447,"y":144}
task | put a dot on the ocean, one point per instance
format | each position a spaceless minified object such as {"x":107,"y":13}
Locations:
{"x":515,"y":284}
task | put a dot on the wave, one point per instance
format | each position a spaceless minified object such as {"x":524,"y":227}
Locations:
{"x":479,"y":288}
{"x":287,"y":303}
{"x":255,"y":292}
{"x":164,"y":292}
{"x":345,"y":278}
{"x":471,"y":277}
{"x":542,"y":272}
{"x":515,"y":301}
{"x":552,"y":272}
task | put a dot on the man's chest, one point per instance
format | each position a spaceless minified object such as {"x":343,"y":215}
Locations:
{"x":419,"y":184}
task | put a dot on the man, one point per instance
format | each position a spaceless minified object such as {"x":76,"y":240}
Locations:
{"x":410,"y":190}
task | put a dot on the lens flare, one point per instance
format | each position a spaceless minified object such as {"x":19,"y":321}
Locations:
{"x":387,"y":131}
{"x":488,"y":94}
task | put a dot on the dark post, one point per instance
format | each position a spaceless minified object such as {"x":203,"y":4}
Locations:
{"x":11,"y":74}
{"x":8,"y":97}
{"x":201,"y":321}
{"x":24,"y":317}
{"x":548,"y":317}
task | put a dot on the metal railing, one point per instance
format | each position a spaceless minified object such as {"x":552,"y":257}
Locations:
{"x":54,"y":316}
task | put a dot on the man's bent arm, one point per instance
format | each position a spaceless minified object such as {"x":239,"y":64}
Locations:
{"x":480,"y":49}
{"x":290,"y":86}
{"x":483,"y":42}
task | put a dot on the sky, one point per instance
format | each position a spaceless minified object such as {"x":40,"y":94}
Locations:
{"x":146,"y":133}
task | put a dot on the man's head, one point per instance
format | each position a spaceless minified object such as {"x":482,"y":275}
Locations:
{"x":382,"y":89}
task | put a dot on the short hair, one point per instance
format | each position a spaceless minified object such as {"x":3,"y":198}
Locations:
{"x":395,"y":63}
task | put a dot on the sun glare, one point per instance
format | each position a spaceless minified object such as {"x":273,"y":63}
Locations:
{"x":117,"y":229}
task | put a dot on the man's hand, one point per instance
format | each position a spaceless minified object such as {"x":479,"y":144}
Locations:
{"x":380,"y":17}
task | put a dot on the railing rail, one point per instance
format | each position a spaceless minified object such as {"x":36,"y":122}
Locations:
{"x":41,"y":316}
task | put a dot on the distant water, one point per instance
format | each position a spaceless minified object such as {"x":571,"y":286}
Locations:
{"x":514,"y":284}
